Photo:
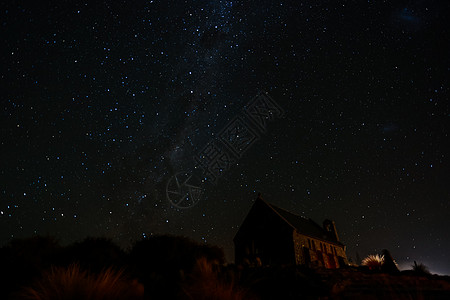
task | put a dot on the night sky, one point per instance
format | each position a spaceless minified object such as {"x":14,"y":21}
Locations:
{"x":103,"y":103}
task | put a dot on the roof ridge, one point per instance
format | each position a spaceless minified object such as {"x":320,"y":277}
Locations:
{"x":271,"y":206}
{"x":298,"y":218}
{"x":274,"y":207}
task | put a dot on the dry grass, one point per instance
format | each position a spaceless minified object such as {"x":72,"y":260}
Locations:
{"x":374,"y":262}
{"x":73,"y":283}
{"x":205,"y":284}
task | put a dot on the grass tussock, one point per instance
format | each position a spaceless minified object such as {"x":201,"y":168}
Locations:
{"x":373,"y":262}
{"x":73,"y":283}
{"x":205,"y":283}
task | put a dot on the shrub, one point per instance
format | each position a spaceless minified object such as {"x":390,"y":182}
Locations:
{"x":21,"y":260}
{"x":93,"y":254}
{"x":420,"y":269}
{"x":161,"y":262}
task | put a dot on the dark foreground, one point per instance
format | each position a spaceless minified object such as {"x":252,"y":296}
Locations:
{"x":176,"y":268}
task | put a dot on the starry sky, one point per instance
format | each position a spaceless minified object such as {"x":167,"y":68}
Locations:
{"x":103,"y":103}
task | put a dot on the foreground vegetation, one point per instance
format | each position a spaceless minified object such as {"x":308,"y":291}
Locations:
{"x":167,"y":267}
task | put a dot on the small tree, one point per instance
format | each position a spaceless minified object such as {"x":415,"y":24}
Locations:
{"x":389,"y":265}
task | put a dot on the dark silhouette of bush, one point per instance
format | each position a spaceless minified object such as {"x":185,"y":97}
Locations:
{"x":389,"y":265}
{"x":161,"y":262}
{"x":24,"y":259}
{"x":94,"y":254}
{"x":420,"y":269}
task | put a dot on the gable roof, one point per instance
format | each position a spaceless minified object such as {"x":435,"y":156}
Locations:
{"x":303,"y":225}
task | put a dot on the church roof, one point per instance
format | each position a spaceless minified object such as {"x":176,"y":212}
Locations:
{"x":303,"y":225}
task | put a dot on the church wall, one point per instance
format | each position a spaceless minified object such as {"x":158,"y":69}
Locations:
{"x":316,"y":253}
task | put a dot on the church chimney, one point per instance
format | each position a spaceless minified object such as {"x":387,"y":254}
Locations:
{"x":330,"y":227}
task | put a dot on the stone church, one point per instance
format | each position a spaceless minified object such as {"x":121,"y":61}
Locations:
{"x":271,"y":235}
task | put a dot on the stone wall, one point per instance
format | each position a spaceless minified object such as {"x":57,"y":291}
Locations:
{"x":317,"y":253}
